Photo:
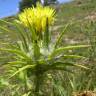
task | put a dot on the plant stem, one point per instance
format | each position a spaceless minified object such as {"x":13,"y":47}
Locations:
{"x":37,"y":84}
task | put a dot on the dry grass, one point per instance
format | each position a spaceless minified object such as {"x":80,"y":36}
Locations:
{"x":85,"y":93}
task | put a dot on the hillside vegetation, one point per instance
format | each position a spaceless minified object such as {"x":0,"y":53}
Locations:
{"x":80,"y":18}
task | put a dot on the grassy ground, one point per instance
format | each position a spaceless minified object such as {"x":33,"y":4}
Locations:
{"x":82,"y":15}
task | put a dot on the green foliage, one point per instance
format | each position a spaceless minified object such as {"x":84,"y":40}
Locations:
{"x":27,"y":3}
{"x":48,"y":2}
{"x":55,"y":82}
{"x":34,"y":60}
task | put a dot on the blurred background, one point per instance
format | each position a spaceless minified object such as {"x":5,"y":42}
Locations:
{"x":11,"y":7}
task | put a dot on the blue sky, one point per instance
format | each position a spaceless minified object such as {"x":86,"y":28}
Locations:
{"x":10,"y":7}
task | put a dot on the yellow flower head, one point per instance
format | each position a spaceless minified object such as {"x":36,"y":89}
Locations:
{"x":37,"y":17}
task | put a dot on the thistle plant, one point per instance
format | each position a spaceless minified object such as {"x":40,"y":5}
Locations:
{"x":32,"y":50}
